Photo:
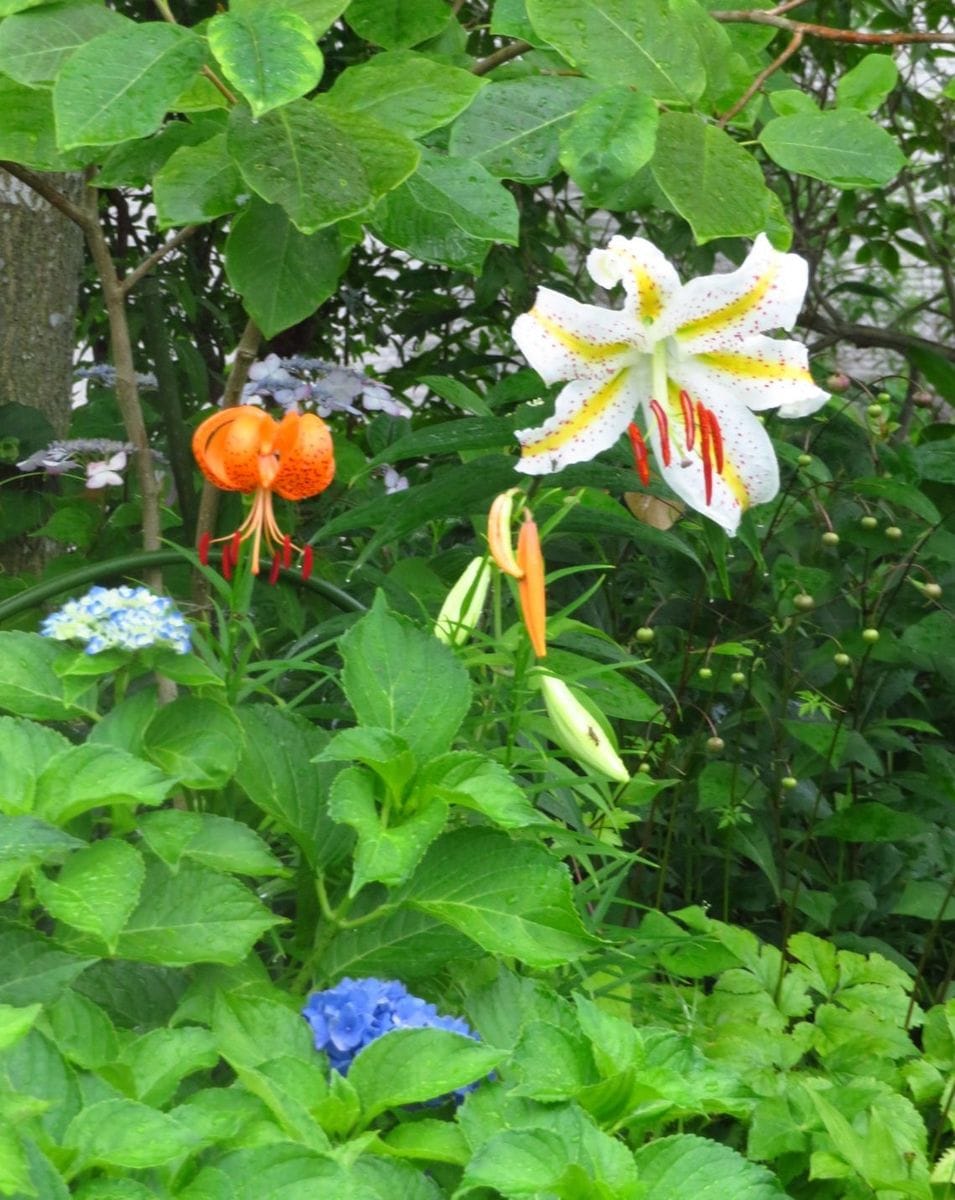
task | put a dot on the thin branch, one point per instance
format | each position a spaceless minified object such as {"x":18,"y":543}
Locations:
{"x":787,"y":7}
{"x":760,"y":79}
{"x":505,"y":54}
{"x":42,"y":186}
{"x":129,"y":281}
{"x":871,"y":335}
{"x":168,"y":15}
{"x":759,"y":17}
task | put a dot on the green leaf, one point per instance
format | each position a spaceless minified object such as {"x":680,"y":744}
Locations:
{"x":406,"y":943}
{"x":96,"y":889}
{"x":197,"y":741}
{"x":927,"y":900}
{"x":135,"y":164}
{"x":29,"y":685}
{"x":214,"y":841}
{"x":936,"y":461}
{"x":685,"y":1167}
{"x":83,"y":1032}
{"x":410,"y":1066}
{"x":479,"y":783}
{"x":512,"y":898}
{"x":121,"y":84}
{"x":868,"y":83}
{"x":268,"y":54}
{"x":195,"y":915}
{"x":25,"y":750}
{"x":386,"y":663}
{"x":384,"y":1179}
{"x":448,"y":437}
{"x":86,"y":777}
{"x":32,"y":969}
{"x":406,"y":91}
{"x":710,"y":180}
{"x":285,"y":1171}
{"x":278,"y":776}
{"x":609,"y":139}
{"x":647,"y":47}
{"x":252,"y":1030}
{"x":871,"y":822}
{"x":158,"y":1061}
{"x":396,"y":24}
{"x":449,"y":211}
{"x":387,"y":755}
{"x":281,"y":274}
{"x":16,"y":1022}
{"x":320,"y":14}
{"x":34,"y":45}
{"x":321,"y":165}
{"x":14,"y":6}
{"x":513,"y":127}
{"x":27,"y":132}
{"x":842,"y":147}
{"x":124,"y":1133}
{"x":197,"y":184}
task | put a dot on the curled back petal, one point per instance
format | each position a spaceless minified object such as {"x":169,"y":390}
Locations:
{"x":227,"y":444}
{"x":589,"y":416}
{"x":306,"y":458}
{"x":564,"y":339}
{"x":749,"y":475}
{"x":649,"y":279}
{"x":762,"y":372}
{"x":715,"y":311}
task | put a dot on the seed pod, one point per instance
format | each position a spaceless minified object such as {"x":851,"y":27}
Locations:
{"x":577,"y":731}
{"x":464,"y":604}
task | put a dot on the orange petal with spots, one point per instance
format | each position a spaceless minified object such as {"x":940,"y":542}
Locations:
{"x":306,"y":457}
{"x":227,"y":447}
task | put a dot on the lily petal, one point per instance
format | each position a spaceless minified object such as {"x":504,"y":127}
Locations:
{"x":650,"y":281}
{"x":564,"y":339}
{"x":750,"y":473}
{"x":762,"y":372}
{"x":306,"y":458}
{"x":589,"y":416}
{"x":715,"y":311}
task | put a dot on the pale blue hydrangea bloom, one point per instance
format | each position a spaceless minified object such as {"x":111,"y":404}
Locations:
{"x":123,"y":618}
{"x":346,"y":1018}
{"x":326,"y":388}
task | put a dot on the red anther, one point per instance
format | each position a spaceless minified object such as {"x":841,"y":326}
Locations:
{"x":716,"y":434}
{"x":204,"y":543}
{"x":308,"y":560}
{"x":286,"y":551}
{"x":639,"y":453}
{"x":705,"y":451}
{"x":234,"y":547}
{"x":664,"y":426}
{"x":276,"y":567}
{"x":688,"y":419}
{"x":227,"y":561}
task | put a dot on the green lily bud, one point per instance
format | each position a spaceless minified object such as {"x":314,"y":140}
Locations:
{"x":462,"y":609}
{"x":577,"y":732}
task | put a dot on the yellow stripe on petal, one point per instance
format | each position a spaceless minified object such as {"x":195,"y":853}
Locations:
{"x":746,"y":366}
{"x":721,"y":317}
{"x":585,"y":416}
{"x":589,"y":351}
{"x":650,"y":298}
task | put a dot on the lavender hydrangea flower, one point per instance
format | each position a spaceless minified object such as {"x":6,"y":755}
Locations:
{"x":355,"y":1012}
{"x":122,"y":618}
{"x":320,"y":386}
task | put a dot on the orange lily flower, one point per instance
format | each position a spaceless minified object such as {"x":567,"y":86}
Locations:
{"x":242,"y":449}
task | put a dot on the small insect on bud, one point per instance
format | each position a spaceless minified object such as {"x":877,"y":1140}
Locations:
{"x":841,"y":659}
{"x":464,"y":604}
{"x":715,"y":744}
{"x":576,"y":730}
{"x":870,"y":635}
{"x":803,"y":601}
{"x":932,"y":590}
{"x":893,"y":532}
{"x":869,"y":522}
{"x":830,"y":538}
{"x":645,"y":635}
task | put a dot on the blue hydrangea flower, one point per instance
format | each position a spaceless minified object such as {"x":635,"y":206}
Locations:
{"x":355,"y":1012}
{"x":122,"y":618}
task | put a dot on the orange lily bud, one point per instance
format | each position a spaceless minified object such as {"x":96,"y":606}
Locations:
{"x":530,"y":586}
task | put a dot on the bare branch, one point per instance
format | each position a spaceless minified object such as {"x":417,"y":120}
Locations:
{"x":505,"y":54}
{"x":760,"y":79}
{"x":42,"y":186}
{"x":129,"y":281}
{"x":807,"y":29}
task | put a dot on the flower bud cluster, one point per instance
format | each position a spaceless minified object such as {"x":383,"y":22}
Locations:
{"x":122,"y":618}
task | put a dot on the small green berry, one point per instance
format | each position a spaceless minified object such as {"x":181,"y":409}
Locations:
{"x":804,"y":460}
{"x":883,"y":397}
{"x":841,"y":659}
{"x":738,"y":677}
{"x":932,"y":590}
{"x":644,"y":768}
{"x":715,"y":744}
{"x":804,"y":601}
{"x":830,"y":538}
{"x":874,"y":411}
{"x":893,"y":532}
{"x":705,"y":672}
{"x":869,"y":523}
{"x":789,"y":782}
{"x":645,"y":635}
{"x":838,"y":382}
{"x":870,"y":635}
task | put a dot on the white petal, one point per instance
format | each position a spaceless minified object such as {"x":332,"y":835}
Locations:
{"x":715,"y":311}
{"x":118,"y":461}
{"x":750,"y":472}
{"x":762,"y":372}
{"x":564,"y":339}
{"x":99,"y":479}
{"x":649,"y":279}
{"x":588,"y":417}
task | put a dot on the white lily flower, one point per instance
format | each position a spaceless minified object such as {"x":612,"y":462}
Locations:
{"x":106,"y":474}
{"x":692,"y":356}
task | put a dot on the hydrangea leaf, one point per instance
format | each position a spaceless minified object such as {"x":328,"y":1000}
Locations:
{"x":125,"y":1133}
{"x":251,"y":1030}
{"x":283,"y":1169}
{"x":29,"y":684}
{"x":83,"y":1031}
{"x":408,"y":942}
{"x":477,"y":782}
{"x":32,"y":969}
{"x":197,"y":184}
{"x":16,"y":1022}
{"x":206,"y":838}
{"x":25,"y":750}
{"x":684,"y":1166}
{"x":86,"y":777}
{"x":96,"y":890}
{"x":197,"y":741}
{"x":34,"y":45}
{"x":268,"y":54}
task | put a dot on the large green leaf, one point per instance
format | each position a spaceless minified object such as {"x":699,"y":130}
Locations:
{"x":125,"y":1133}
{"x":283,"y":1170}
{"x":121,"y":84}
{"x":196,"y":741}
{"x":868,"y":83}
{"x":406,"y":91}
{"x":710,"y":180}
{"x":320,"y":164}
{"x":450,"y":211}
{"x":32,"y":969}
{"x":86,"y":777}
{"x":407,"y":943}
{"x":512,"y":898}
{"x":404,"y":680}
{"x":26,"y":842}
{"x":320,"y":14}
{"x":34,"y":45}
{"x":195,"y":915}
{"x":685,"y":1167}
{"x":396,"y":24}
{"x":29,"y":685}
{"x":218,"y":842}
{"x":512,"y":128}
{"x":268,"y":54}
{"x":25,"y":750}
{"x":609,"y":139}
{"x":843,"y":147}
{"x":197,"y":184}
{"x":96,"y":890}
{"x":281,"y":274}
{"x":646,"y":46}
